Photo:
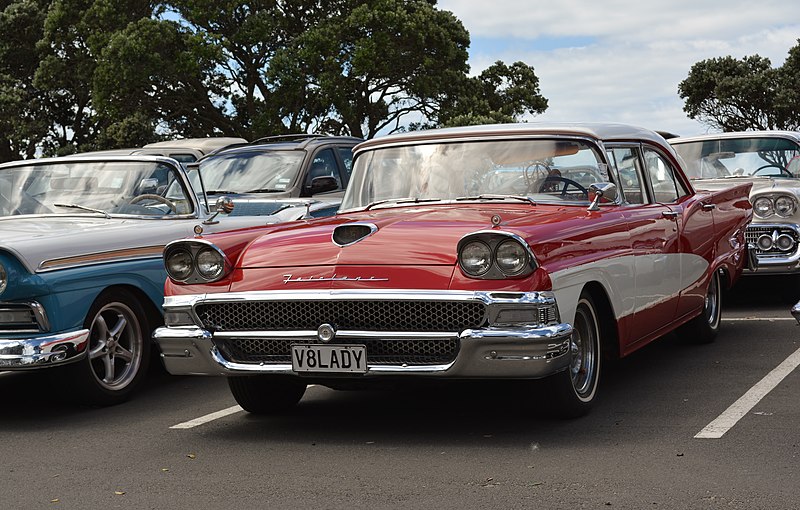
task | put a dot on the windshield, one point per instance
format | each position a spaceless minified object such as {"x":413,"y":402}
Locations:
{"x":740,"y":157}
{"x":543,"y":170}
{"x":92,"y":187}
{"x":242,"y":172}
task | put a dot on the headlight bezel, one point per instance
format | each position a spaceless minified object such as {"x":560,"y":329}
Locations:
{"x":494,"y":240}
{"x":194,"y":248}
{"x":782,"y":205}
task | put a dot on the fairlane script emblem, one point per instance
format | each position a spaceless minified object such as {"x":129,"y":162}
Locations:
{"x":287,"y":278}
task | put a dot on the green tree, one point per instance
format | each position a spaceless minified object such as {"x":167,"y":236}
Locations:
{"x":748,"y":94}
{"x":22,"y":123}
{"x":76,"y":32}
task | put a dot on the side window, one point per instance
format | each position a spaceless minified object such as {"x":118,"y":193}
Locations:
{"x":629,"y":169}
{"x":666,"y":189}
{"x":324,"y":165}
{"x":346,"y":153}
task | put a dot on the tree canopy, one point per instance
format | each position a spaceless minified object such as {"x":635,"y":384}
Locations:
{"x":93,"y":74}
{"x":732,"y":94}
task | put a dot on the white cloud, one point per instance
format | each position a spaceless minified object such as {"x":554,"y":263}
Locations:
{"x":636,"y":53}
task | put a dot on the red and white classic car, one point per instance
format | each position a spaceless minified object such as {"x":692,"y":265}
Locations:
{"x":488,"y":252}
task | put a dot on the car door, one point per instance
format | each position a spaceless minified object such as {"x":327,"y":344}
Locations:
{"x":653,"y":232}
{"x":695,"y":224}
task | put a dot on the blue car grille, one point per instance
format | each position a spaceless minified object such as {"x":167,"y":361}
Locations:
{"x":17,"y":318}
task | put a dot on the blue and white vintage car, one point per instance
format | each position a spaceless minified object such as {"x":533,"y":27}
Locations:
{"x":81,"y":274}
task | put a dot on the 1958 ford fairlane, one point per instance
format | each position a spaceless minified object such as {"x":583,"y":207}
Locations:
{"x":81,"y":274}
{"x":514,"y":252}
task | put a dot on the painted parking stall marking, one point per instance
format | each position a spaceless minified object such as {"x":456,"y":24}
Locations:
{"x":717,"y":428}
{"x":207,"y":418}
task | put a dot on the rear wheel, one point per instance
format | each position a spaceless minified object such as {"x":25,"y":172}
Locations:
{"x":265,"y":394}
{"x":573,"y":390}
{"x":704,"y":328}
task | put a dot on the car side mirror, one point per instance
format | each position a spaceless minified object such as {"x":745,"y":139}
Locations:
{"x":323,"y":184}
{"x":605,"y":191}
{"x":224,"y":205}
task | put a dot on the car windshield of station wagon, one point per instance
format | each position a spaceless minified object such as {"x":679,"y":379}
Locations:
{"x":108,"y":187}
{"x":543,"y":170}
{"x":249,"y":172}
{"x":740,"y":157}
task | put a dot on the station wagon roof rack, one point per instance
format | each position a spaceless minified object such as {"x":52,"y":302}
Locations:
{"x":285,"y":138}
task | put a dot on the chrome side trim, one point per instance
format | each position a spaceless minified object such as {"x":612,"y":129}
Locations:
{"x":90,"y":259}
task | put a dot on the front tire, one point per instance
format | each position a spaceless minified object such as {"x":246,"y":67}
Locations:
{"x":573,"y":391}
{"x":266,"y":395}
{"x":119,"y":350}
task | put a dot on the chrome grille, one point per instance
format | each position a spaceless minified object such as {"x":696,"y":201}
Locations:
{"x":18,"y":318}
{"x":417,"y":351}
{"x":753,"y":232}
{"x":361,"y":315}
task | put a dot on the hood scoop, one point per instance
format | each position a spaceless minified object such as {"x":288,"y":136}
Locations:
{"x":345,"y":235}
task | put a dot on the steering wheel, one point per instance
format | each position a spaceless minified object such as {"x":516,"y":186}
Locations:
{"x":783,"y":171}
{"x":567,"y":183}
{"x":158,"y":198}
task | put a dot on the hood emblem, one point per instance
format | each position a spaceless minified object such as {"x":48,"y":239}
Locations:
{"x":288,"y":278}
{"x":345,"y":235}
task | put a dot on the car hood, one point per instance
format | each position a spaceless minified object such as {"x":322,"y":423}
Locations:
{"x":37,"y":240}
{"x":418,"y":236}
{"x":760,"y":184}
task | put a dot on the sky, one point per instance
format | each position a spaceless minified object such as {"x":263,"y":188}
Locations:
{"x":622,"y":60}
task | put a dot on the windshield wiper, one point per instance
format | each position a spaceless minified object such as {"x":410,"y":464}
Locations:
{"x":84,"y":208}
{"x":499,"y":197}
{"x":405,"y":200}
{"x":265,"y":190}
{"x":222,"y":192}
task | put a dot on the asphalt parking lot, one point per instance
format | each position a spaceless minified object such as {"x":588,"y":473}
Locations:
{"x":676,"y":426}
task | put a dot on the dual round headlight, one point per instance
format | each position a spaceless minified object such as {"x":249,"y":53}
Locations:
{"x":782,"y":205}
{"x":201,"y":263}
{"x":488,"y":257}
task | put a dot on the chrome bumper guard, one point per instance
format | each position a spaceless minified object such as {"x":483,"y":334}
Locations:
{"x":46,"y":351}
{"x":497,"y":351}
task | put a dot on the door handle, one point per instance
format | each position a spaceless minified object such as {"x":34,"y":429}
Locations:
{"x":709,"y":207}
{"x":669,"y":214}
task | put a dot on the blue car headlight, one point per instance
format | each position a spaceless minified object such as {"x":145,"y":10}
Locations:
{"x":3,"y":278}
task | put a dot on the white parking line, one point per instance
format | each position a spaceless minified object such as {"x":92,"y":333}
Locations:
{"x":733,"y":319}
{"x":717,"y":428}
{"x":207,"y":418}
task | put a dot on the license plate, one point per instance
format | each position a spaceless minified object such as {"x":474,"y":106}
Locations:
{"x":329,"y":358}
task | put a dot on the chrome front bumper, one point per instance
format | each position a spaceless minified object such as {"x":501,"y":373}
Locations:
{"x":40,"y":352}
{"x":518,"y":351}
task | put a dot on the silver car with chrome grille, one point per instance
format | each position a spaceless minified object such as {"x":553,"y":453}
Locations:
{"x":771,"y":161}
